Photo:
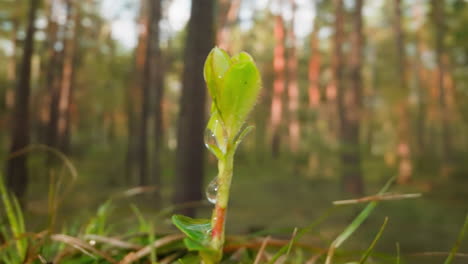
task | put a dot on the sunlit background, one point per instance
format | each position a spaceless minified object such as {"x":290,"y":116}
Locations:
{"x":409,"y":110}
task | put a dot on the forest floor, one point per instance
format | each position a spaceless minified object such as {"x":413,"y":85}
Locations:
{"x":277,"y":197}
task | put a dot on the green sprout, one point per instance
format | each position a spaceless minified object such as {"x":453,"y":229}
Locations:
{"x":233,"y":84}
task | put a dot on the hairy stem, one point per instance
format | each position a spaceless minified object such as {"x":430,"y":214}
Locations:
{"x":218,"y":220}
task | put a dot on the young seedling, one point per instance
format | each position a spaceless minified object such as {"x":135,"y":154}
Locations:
{"x":233,"y":84}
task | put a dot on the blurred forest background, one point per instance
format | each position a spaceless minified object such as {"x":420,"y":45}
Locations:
{"x":354,"y":92}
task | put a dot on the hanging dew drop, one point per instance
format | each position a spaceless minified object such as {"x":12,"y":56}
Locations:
{"x":212,"y":190}
{"x":209,"y":139}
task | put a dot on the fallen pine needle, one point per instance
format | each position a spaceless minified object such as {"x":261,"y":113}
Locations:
{"x":382,"y":197}
{"x":262,"y":250}
{"x":437,"y":254}
{"x":134,"y":256}
{"x":113,"y":242}
{"x":82,"y":246}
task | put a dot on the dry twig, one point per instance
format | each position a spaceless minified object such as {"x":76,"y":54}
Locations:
{"x":262,"y":250}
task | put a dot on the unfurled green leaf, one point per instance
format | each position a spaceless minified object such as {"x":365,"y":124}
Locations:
{"x":233,"y":84}
{"x":240,"y":89}
{"x":196,"y":229}
{"x":216,"y":65}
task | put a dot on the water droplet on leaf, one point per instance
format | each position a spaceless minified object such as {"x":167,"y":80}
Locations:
{"x":209,"y":139}
{"x":212,"y":190}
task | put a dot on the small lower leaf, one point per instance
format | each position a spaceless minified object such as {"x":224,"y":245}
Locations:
{"x":197,"y":230}
{"x":193,"y":245}
{"x":242,"y":135}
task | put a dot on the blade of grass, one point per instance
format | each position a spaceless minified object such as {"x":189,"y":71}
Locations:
{"x":292,"y":242}
{"x":458,"y":243}
{"x":302,"y":232}
{"x":398,"y":253}
{"x":351,"y":228}
{"x":98,"y":224}
{"x":21,"y":227}
{"x":374,"y":242}
{"x":15,"y":219}
{"x":151,"y":239}
{"x":56,"y":152}
{"x":61,"y":156}
{"x":52,"y":201}
{"x":142,"y":223}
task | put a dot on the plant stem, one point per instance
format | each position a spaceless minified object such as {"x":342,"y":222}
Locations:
{"x":218,"y":219}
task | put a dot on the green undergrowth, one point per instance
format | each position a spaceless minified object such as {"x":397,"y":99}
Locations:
{"x":139,"y":238}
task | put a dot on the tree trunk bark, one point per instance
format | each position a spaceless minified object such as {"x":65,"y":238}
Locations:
{"x":11,"y":70}
{"x":421,"y":83}
{"x":146,"y":96}
{"x":134,"y":101}
{"x":53,"y":79}
{"x":68,"y":74}
{"x":17,"y":171}
{"x":158,"y":82}
{"x":191,"y":126}
{"x":314,"y":70}
{"x":350,"y":100}
{"x":293,"y":88}
{"x":278,"y":84}
{"x":405,"y":166}
{"x":439,"y":20}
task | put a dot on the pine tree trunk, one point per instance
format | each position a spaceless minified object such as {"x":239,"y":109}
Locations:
{"x":158,"y":83}
{"x":278,"y":84}
{"x":293,"y":88}
{"x":68,"y":74}
{"x":191,"y":123}
{"x":440,"y":28}
{"x":349,"y":99}
{"x":314,"y":70}
{"x":145,"y":98}
{"x":421,"y":83}
{"x":53,"y":79}
{"x":11,"y":70}
{"x":17,"y":171}
{"x":403,"y":148}
{"x":134,"y":102}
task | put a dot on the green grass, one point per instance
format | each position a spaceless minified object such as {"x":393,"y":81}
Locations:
{"x":106,"y":236}
{"x":269,"y":198}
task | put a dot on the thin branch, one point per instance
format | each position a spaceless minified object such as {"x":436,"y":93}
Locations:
{"x":262,"y":250}
{"x":383,"y":197}
{"x":134,"y":256}
{"x":113,"y":242}
{"x":82,"y":246}
{"x":437,"y":254}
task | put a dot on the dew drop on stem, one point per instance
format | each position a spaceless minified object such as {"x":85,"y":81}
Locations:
{"x":209,"y":138}
{"x":212,"y":190}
